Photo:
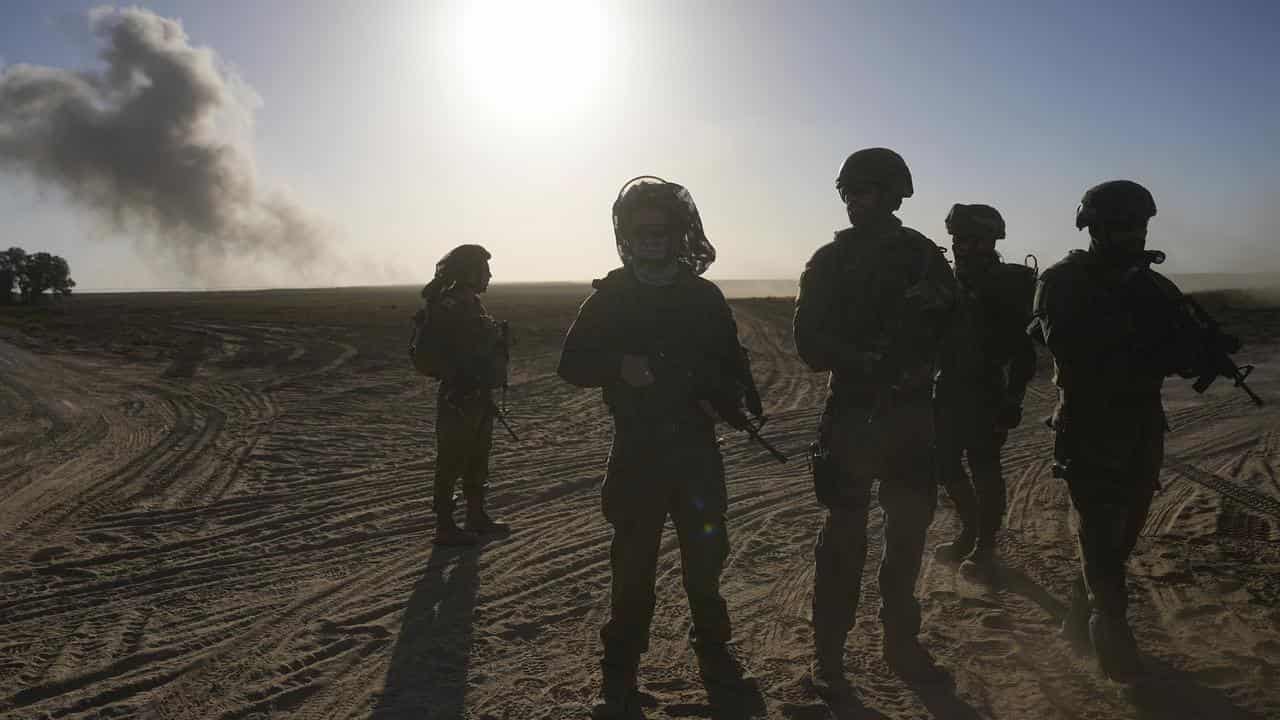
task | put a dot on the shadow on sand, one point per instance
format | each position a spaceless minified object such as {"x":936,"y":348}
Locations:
{"x":428,"y":673}
{"x":736,"y":698}
{"x":1166,"y":692}
{"x":1163,"y":692}
{"x":1019,"y":583}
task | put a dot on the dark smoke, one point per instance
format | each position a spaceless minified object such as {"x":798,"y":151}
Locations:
{"x":149,"y":144}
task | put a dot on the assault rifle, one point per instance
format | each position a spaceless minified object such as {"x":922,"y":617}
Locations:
{"x":1217,"y":346}
{"x":500,"y":410}
{"x":738,"y":420}
{"x":707,"y":387}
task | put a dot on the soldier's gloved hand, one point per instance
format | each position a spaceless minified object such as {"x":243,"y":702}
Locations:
{"x":636,"y":371}
{"x":1009,"y":416}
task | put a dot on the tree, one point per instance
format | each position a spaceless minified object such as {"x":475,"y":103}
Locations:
{"x":42,"y":272}
{"x":11,"y":264}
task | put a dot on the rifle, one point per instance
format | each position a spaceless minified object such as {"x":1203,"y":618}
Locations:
{"x":1217,"y":345}
{"x":738,"y":420}
{"x":500,"y":411}
{"x":728,"y":409}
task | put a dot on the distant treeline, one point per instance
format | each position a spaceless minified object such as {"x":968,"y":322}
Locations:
{"x":33,"y":275}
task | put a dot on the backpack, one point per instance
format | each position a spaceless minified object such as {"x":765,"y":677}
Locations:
{"x":425,"y":345}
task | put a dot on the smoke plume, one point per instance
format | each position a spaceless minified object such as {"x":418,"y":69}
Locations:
{"x":150,"y":144}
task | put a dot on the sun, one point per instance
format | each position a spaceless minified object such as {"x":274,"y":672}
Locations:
{"x":533,"y":62}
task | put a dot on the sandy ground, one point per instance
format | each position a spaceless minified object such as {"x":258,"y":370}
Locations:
{"x":216,"y":506}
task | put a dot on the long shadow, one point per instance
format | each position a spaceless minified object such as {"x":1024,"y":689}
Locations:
{"x":1163,"y":692}
{"x":1019,"y":583}
{"x":428,"y":673}
{"x":942,"y":702}
{"x":1166,"y":692}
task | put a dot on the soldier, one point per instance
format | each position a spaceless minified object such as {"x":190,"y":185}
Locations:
{"x":464,"y":347}
{"x":1116,"y":330}
{"x":984,"y":375}
{"x":872,"y":309}
{"x":662,"y":343}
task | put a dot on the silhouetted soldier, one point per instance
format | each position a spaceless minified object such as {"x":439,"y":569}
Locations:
{"x":983,"y":377}
{"x":663,"y":344}
{"x":872,"y":309}
{"x":463,"y":346}
{"x":1116,"y":330}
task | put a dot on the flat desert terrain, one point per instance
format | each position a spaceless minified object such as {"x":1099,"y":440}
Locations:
{"x":216,"y":505}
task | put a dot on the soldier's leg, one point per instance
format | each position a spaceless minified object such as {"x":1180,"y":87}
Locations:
{"x":451,"y":459}
{"x":475,"y":480}
{"x":1109,"y":524}
{"x":637,"y":512}
{"x":908,"y":494}
{"x":841,"y":551}
{"x":988,"y":481}
{"x":698,"y":512}
{"x":955,"y":481}
{"x":949,"y":457}
{"x":475,"y":477}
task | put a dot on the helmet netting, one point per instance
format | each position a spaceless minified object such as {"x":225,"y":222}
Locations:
{"x":693,"y":248}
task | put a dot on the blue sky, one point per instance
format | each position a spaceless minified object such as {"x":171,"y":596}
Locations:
{"x":410,"y":131}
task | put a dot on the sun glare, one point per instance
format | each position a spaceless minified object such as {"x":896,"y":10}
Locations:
{"x":534,"y":63}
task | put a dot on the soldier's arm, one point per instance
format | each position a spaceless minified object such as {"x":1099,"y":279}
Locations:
{"x":735,"y":361}
{"x":589,"y":357}
{"x":1178,"y":339}
{"x":1062,"y":317}
{"x":815,"y":325}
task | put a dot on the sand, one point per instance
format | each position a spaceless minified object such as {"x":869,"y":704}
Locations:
{"x":217,"y":506}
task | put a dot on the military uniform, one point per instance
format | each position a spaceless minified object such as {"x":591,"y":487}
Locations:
{"x":471,"y":360}
{"x":872,"y":307}
{"x":988,"y":361}
{"x":1115,"y":331}
{"x":665,"y":460}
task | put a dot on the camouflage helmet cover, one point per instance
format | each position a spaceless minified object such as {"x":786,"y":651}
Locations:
{"x":1115,"y":201}
{"x":879,"y":166}
{"x":981,"y":220}
{"x":461,"y":260}
{"x":693,"y":249}
{"x":456,"y":264}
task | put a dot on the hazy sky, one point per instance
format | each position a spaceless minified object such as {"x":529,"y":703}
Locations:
{"x":407,"y":127}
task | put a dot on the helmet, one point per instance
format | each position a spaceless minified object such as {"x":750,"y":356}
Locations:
{"x":981,"y":220}
{"x":880,"y":166}
{"x":456,"y":264}
{"x":693,"y":249}
{"x":461,"y":260}
{"x":1115,"y":201}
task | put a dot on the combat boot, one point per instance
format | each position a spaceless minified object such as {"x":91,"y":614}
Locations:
{"x":448,"y":533}
{"x":719,"y":665}
{"x":910,"y":661}
{"x":479,"y":522}
{"x":956,"y":550}
{"x":827,"y":671}
{"x":1116,"y":649}
{"x":617,"y":692}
